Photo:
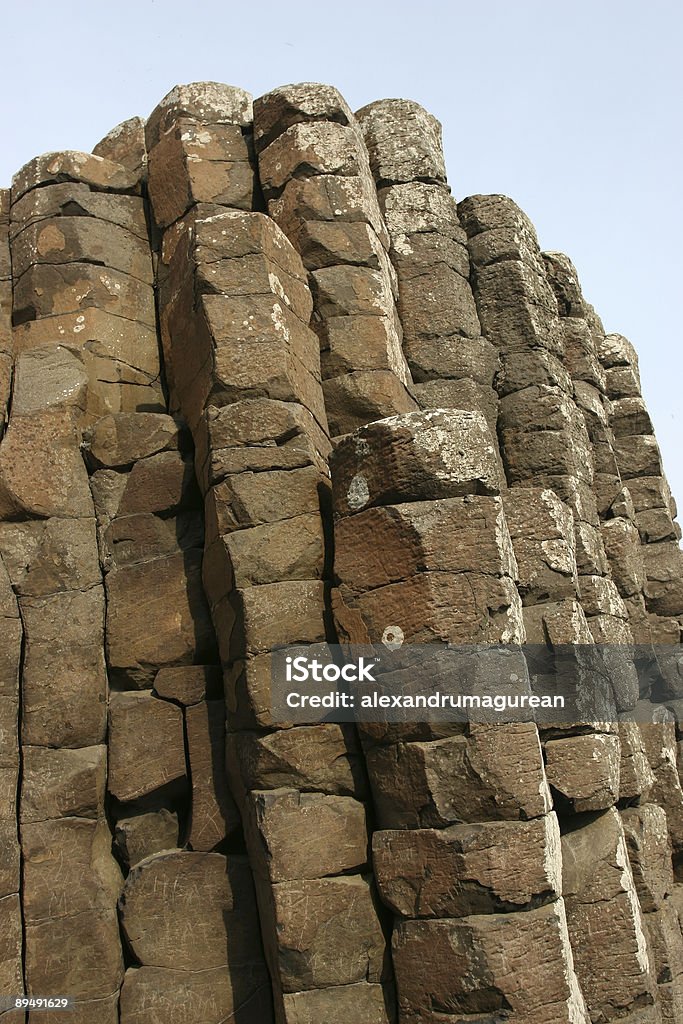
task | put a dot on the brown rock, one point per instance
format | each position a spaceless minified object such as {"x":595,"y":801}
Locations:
{"x":308,"y":149}
{"x":157,"y":616}
{"x":71,"y":199}
{"x":457,"y":608}
{"x":601,"y":903}
{"x":622,"y":546}
{"x":362,"y":1003}
{"x":585,"y":769}
{"x":56,"y":852}
{"x":277,"y":614}
{"x":53,"y":290}
{"x":638,"y":456}
{"x":66,"y":617}
{"x":649,"y":854}
{"x":199,"y":163}
{"x":664,"y":578}
{"x":383,"y":545}
{"x":328,"y":933}
{"x":189,"y":684}
{"x":41,"y":469}
{"x":125,"y":144}
{"x":541,"y":528}
{"x":468,"y":869}
{"x":160,"y":995}
{"x":328,"y":197}
{"x":146,"y":746}
{"x":64,"y":693}
{"x":120,"y":440}
{"x":214,"y":814}
{"x":416,"y":457}
{"x":307,"y":835}
{"x":363,"y":396}
{"x":205,"y":102}
{"x":11,"y":975}
{"x":279,"y":109}
{"x":191,"y":912}
{"x":158,"y":484}
{"x":485,"y":966}
{"x":404,"y":141}
{"x":255,"y":499}
{"x":50,"y":555}
{"x":100,"y":174}
{"x":460,"y":779}
{"x":320,"y":758}
{"x":635,"y":775}
{"x":80,"y":955}
{"x":63,"y":783}
{"x":60,"y":240}
{"x":145,"y":834}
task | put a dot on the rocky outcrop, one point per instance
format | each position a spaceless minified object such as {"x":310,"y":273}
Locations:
{"x":264,"y":383}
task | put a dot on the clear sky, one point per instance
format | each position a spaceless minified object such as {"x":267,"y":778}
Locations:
{"x":573,"y":109}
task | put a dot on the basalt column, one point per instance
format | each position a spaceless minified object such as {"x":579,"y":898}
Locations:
{"x":452,"y":365}
{"x":316,"y":178}
{"x":82,"y":275}
{"x":235,"y":309}
{"x":422,"y":548}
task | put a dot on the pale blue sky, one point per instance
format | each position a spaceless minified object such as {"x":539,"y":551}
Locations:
{"x":573,"y":109}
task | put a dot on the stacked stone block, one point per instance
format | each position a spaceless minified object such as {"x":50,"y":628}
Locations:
{"x":150,"y":563}
{"x":316,"y":178}
{"x":423,"y":551}
{"x":235,"y":304}
{"x":451,"y":364}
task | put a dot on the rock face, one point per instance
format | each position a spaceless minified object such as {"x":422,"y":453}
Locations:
{"x":264,"y":382}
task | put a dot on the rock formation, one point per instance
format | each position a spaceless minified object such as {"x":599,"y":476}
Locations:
{"x":264,"y":382}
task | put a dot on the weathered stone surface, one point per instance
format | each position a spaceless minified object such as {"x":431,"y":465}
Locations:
{"x":419,"y":456}
{"x":11,"y":977}
{"x":622,"y":545}
{"x":161,"y":995}
{"x":604,"y":915}
{"x":484,"y":966}
{"x":80,"y":954}
{"x":279,"y":109}
{"x":638,"y":456}
{"x":441,"y":606}
{"x":58,"y":852}
{"x":556,"y":623}
{"x":64,"y":694}
{"x":157,"y":616}
{"x":71,"y":199}
{"x":125,"y":144}
{"x":328,"y":933}
{"x":308,"y":149}
{"x":191,"y":911}
{"x":63,"y":783}
{"x":664,"y":578}
{"x":120,"y":440}
{"x":49,"y":378}
{"x":277,"y":614}
{"x":189,"y":684}
{"x":100,"y":174}
{"x":541,"y":528}
{"x":364,"y":1003}
{"x":635,"y":775}
{"x":460,"y":779}
{"x":307,"y":835}
{"x":145,"y":834}
{"x":328,"y":197}
{"x":214,"y":815}
{"x":54,"y":290}
{"x":649,"y":854}
{"x":363,"y":396}
{"x":290,"y":550}
{"x":61,"y":240}
{"x":319,"y":758}
{"x":468,"y":869}
{"x":585,"y":769}
{"x":383,"y":545}
{"x":404,"y":142}
{"x":146,"y":747}
{"x":41,"y":469}
{"x":205,"y":102}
